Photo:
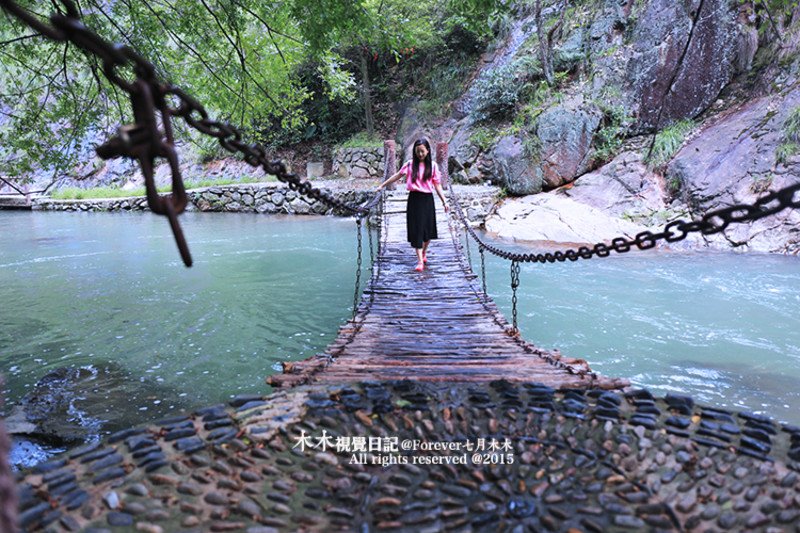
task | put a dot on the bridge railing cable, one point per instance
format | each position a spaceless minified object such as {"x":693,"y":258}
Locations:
{"x":677,"y":230}
{"x":155,"y":102}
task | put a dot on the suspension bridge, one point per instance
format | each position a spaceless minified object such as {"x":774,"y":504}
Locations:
{"x":436,"y":325}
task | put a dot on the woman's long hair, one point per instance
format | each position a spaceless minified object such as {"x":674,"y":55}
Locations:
{"x":415,"y":162}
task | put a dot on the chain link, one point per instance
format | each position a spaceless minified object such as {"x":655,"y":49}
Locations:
{"x":483,"y":271}
{"x":371,"y":245}
{"x":466,"y":241}
{"x":358,"y":270}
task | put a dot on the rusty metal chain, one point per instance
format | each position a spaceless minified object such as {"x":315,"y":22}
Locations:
{"x":358,"y":270}
{"x":514,"y":284}
{"x":712,"y":222}
{"x":143,"y":140}
{"x":483,"y":270}
{"x":466,"y":241}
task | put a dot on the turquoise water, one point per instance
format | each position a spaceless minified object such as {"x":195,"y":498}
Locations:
{"x":109,"y":292}
{"x":723,"y":327}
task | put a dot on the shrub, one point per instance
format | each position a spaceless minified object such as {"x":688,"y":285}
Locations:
{"x":496,"y":93}
{"x":483,"y":138}
{"x":668,"y":141}
{"x":791,"y":126}
{"x":785,"y":151}
{"x":609,"y":138}
{"x":791,"y":137}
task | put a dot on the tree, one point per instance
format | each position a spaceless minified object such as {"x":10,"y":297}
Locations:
{"x":240,"y":58}
{"x":377,"y":28}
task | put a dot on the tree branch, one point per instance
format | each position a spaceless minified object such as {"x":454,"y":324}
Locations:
{"x":187,"y":46}
{"x":272,"y":32}
{"x":18,"y":39}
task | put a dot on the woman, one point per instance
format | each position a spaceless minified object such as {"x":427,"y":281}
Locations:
{"x":422,"y":178}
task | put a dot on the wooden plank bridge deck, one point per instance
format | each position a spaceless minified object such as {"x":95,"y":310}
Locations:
{"x":432,"y":325}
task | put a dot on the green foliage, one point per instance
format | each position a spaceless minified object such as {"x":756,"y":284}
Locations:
{"x":442,"y":85}
{"x":611,"y":135}
{"x":362,"y":140}
{"x":483,"y":137}
{"x":791,"y":138}
{"x":227,"y":55}
{"x":785,"y":152}
{"x":281,"y":71}
{"x":761,"y":184}
{"x":668,"y":141}
{"x":497,"y":92}
{"x":791,"y":126}
{"x":772,"y":12}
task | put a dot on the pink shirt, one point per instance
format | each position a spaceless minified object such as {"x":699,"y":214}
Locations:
{"x":419,"y":185}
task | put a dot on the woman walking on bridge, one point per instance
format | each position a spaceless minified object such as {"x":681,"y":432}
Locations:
{"x":422,"y":178}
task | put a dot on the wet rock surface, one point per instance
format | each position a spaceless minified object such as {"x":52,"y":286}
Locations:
{"x":69,"y":406}
{"x":403,"y":456}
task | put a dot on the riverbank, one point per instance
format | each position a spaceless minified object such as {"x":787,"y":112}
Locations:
{"x":478,"y":201}
{"x":566,"y":217}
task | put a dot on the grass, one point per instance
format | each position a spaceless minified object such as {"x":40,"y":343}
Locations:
{"x":791,"y":136}
{"x":668,"y":141}
{"x":785,"y":151}
{"x":76,"y":193}
{"x":363,"y":140}
{"x":791,"y":126}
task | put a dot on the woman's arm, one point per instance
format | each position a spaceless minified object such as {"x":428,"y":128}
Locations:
{"x":390,"y":180}
{"x":440,"y":192}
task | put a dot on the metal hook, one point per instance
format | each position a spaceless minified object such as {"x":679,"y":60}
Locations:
{"x":144,"y":142}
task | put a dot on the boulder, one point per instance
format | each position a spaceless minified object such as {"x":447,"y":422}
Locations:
{"x":624,"y":187}
{"x":565,"y":134}
{"x":552,"y":218}
{"x":463,"y":152}
{"x":71,"y":405}
{"x":732,"y":161}
{"x":315,"y":169}
{"x":508,"y":166}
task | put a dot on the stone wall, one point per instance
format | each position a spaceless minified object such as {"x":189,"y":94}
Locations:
{"x":477,"y":201}
{"x":362,"y":162}
{"x":269,"y":198}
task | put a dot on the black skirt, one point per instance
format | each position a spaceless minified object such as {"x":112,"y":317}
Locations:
{"x":420,"y":218}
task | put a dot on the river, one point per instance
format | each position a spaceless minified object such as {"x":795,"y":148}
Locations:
{"x":108,"y":293}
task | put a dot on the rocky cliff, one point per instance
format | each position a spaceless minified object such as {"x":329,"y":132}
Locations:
{"x":590,"y":165}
